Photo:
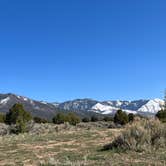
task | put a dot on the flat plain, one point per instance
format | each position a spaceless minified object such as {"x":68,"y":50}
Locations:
{"x":74,"y":146}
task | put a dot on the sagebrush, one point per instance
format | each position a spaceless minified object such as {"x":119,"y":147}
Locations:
{"x":141,"y":135}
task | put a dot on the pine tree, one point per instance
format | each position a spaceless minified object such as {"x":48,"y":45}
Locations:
{"x":19,"y":117}
{"x":60,"y":118}
{"x":121,"y":117}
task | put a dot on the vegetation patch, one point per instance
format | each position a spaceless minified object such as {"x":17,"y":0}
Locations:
{"x":142,"y":135}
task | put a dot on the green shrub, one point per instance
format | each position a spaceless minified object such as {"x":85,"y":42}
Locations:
{"x":19,"y":117}
{"x":121,"y":118}
{"x":131,"y":117}
{"x":94,"y":119}
{"x":39,"y":120}
{"x":86,"y":120}
{"x":2,"y":118}
{"x":73,"y":119}
{"x":60,"y":118}
{"x":108,"y":118}
{"x":161,"y":115}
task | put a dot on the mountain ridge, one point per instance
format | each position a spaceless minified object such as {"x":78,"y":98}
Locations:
{"x":80,"y":106}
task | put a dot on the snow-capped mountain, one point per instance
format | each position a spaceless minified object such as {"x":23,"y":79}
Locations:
{"x":144,"y":107}
{"x":45,"y":109}
{"x":152,"y":106}
{"x":78,"y":105}
{"x":83,"y":107}
{"x":36,"y":108}
{"x":106,"y":109}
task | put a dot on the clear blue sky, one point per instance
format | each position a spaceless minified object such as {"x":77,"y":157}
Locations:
{"x":60,"y":50}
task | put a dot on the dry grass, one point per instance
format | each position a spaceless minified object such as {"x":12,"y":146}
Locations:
{"x":75,"y":147}
{"x":142,"y":135}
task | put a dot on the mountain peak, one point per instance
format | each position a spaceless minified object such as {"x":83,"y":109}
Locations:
{"x":86,"y":105}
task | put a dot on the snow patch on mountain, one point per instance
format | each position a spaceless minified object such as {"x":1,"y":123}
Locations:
{"x":19,"y":97}
{"x":153,"y":106}
{"x":55,"y":104}
{"x":119,"y":103}
{"x":107,"y":109}
{"x":32,"y":102}
{"x":4,"y":101}
{"x":44,"y":102}
{"x":25,"y":99}
{"x":104,"y":109}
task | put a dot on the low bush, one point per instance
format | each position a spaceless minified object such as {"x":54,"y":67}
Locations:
{"x":39,"y":120}
{"x":141,"y":135}
{"x":71,"y":118}
{"x":108,"y":118}
{"x":94,"y":119}
{"x":131,"y":117}
{"x":86,"y":120}
{"x":60,"y":118}
{"x":2,"y":118}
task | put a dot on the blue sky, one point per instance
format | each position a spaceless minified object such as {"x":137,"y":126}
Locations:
{"x":61,"y":50}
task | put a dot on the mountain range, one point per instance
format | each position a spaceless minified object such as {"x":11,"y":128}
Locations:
{"x":83,"y":107}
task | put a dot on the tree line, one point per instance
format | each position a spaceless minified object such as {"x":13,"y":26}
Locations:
{"x":20,"y":118}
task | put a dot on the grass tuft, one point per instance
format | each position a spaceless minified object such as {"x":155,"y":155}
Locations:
{"x":142,"y":135}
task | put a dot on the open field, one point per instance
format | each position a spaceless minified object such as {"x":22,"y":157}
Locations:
{"x":77,"y":146}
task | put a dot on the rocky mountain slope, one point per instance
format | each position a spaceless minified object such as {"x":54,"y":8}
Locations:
{"x":83,"y":107}
{"x":144,"y":107}
{"x":36,"y":108}
{"x":44,"y":109}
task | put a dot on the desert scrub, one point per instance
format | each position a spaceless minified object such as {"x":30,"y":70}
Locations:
{"x":141,"y":135}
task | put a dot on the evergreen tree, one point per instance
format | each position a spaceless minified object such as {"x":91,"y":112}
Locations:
{"x":2,"y":118}
{"x":73,"y":119}
{"x":131,"y":117}
{"x":121,"y":117}
{"x":39,"y":120}
{"x":60,"y":118}
{"x":86,"y":120}
{"x":161,"y":115}
{"x":19,"y":117}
